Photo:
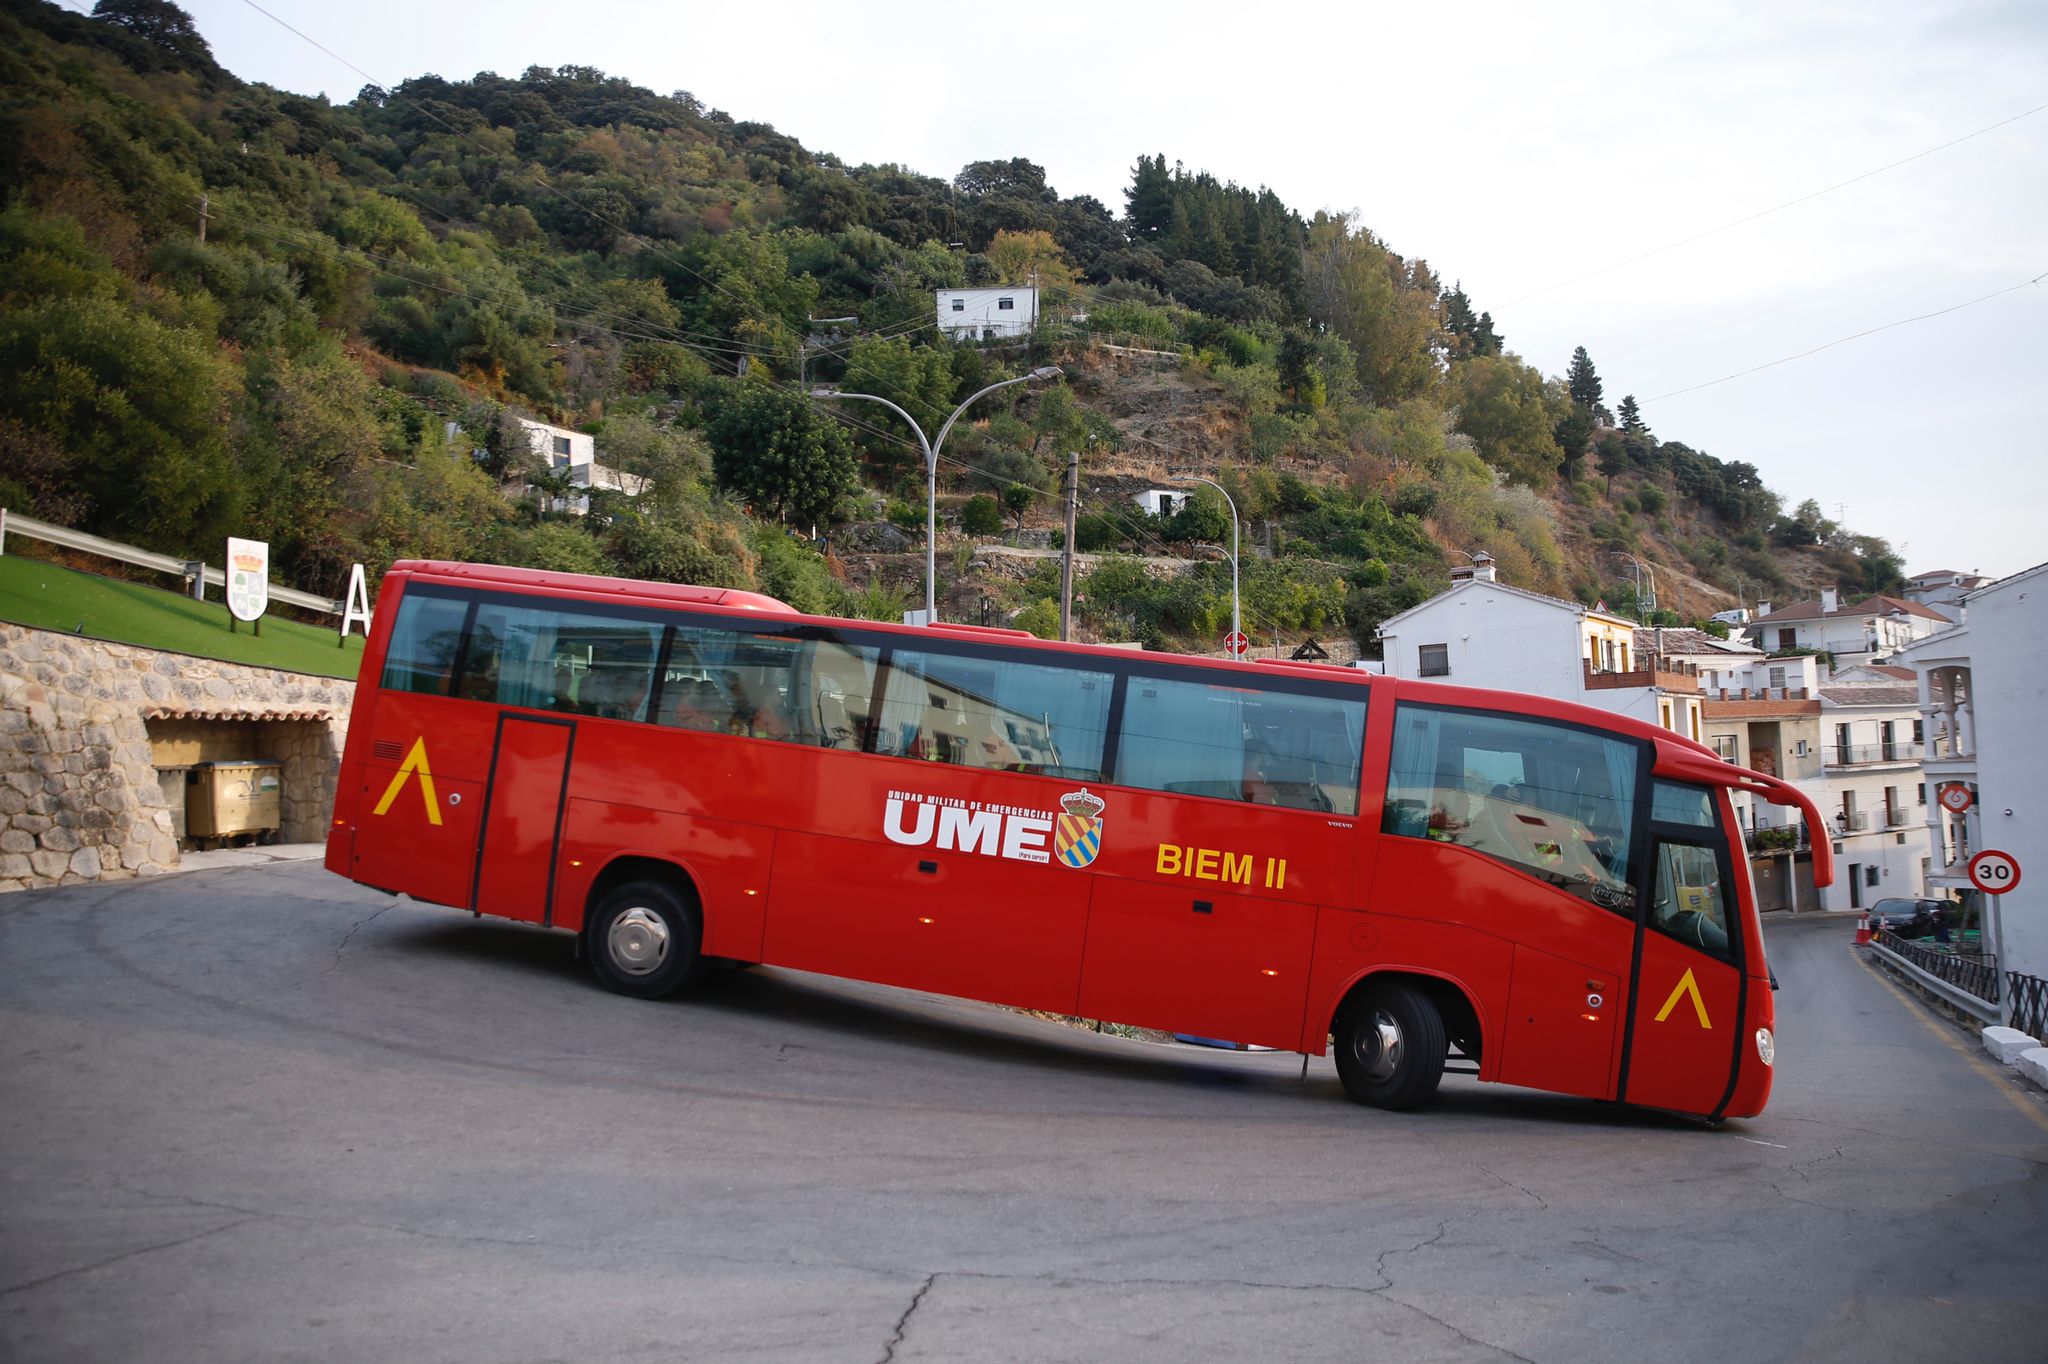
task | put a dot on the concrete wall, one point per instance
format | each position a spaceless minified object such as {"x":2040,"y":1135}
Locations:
{"x":80,"y":798}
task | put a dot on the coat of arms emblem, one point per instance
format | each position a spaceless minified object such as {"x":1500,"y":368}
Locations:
{"x":1077,"y":834}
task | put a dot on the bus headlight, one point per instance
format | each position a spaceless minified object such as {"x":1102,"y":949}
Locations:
{"x":1766,"y":1047}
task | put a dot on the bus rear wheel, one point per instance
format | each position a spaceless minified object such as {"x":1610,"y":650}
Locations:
{"x":643,"y":940}
{"x":1390,"y":1046}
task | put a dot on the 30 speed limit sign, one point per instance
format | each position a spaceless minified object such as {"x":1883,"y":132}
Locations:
{"x":1994,"y":872}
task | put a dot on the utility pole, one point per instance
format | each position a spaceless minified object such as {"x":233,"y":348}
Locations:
{"x":203,"y":201}
{"x":1067,"y":557}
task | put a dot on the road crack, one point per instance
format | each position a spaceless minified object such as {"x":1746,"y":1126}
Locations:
{"x":125,"y":1255}
{"x":353,"y":929}
{"x":903,"y":1322}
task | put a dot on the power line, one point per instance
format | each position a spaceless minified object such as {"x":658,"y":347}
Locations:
{"x":1775,"y":208}
{"x":1857,"y":336}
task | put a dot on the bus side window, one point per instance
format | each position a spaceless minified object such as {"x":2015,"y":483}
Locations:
{"x":1002,"y":714}
{"x":835,"y":703}
{"x":1236,"y":743}
{"x":424,"y":644}
{"x":1550,"y":799}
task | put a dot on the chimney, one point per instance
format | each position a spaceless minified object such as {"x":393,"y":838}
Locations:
{"x":1483,"y":567}
{"x":1763,"y":608}
{"x":1830,"y":601}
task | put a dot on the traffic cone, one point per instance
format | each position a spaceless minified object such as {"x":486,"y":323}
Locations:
{"x":1862,"y":929}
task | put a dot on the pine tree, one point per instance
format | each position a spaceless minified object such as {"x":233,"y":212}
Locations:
{"x":1583,"y":381}
{"x":1485,"y":340}
{"x":1632,"y":415}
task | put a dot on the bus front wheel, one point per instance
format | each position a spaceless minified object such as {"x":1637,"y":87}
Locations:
{"x":1390,"y":1046}
{"x":644,"y":940}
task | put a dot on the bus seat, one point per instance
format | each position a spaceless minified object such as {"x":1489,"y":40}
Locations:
{"x":835,"y":728}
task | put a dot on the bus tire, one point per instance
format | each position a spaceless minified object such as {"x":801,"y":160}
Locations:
{"x":643,"y":940}
{"x":1390,"y":1046}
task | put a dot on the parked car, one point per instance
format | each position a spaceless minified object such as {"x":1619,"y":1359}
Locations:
{"x":1910,"y":918}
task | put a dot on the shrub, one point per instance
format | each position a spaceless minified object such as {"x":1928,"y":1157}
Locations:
{"x":982,"y":515}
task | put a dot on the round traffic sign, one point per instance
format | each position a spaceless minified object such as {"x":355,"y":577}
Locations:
{"x":1237,"y":642}
{"x":1956,"y":798}
{"x":1994,"y":872}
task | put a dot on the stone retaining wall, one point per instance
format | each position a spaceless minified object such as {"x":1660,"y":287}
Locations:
{"x":79,"y":794}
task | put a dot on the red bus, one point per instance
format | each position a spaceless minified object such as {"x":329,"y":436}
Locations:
{"x":1290,"y":855}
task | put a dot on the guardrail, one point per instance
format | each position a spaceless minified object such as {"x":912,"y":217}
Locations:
{"x":2026,"y":1003}
{"x":13,"y":523}
{"x":1976,"y":975}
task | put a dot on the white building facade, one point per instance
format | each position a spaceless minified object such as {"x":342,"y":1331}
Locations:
{"x":1866,"y":631}
{"x":1983,"y":703}
{"x":987,"y":314}
{"x":1484,"y":633}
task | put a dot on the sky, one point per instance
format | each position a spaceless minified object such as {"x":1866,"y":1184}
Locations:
{"x":1530,"y":154}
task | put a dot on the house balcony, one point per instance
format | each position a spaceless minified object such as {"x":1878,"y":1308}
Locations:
{"x":1663,"y":673}
{"x":1757,"y":694}
{"x":1870,"y":755}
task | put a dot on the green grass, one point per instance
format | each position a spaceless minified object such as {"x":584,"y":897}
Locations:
{"x":52,"y":598}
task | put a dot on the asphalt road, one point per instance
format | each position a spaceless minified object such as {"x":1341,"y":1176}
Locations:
{"x":265,"y":1115}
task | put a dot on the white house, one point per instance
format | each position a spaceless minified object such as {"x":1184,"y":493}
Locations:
{"x":575,"y":453}
{"x":1983,"y":695}
{"x":1943,"y":590}
{"x":1484,"y":633}
{"x":1865,"y":631}
{"x":1870,"y":786}
{"x":987,"y":314}
{"x":1161,"y":501}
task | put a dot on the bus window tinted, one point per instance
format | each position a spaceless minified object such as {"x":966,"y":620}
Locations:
{"x":768,"y":686}
{"x":1003,"y":714}
{"x":1688,"y":902}
{"x":1550,"y":799}
{"x":1671,"y":803}
{"x":551,"y":659}
{"x":1236,"y":743}
{"x":424,"y":644}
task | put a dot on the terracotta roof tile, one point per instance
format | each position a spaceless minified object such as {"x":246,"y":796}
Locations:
{"x":167,"y":712}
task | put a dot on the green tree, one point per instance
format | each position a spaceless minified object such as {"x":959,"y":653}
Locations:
{"x":1017,"y":500}
{"x":778,"y":452}
{"x":1502,"y":407}
{"x":1583,"y":381}
{"x":138,"y":405}
{"x":1632,"y":416}
{"x":1385,"y":308}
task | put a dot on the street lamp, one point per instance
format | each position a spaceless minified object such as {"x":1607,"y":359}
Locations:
{"x":931,"y":450}
{"x":1235,"y":629}
{"x":1643,"y":603}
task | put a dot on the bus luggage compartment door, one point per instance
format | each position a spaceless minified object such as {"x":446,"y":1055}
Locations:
{"x":515,"y":865}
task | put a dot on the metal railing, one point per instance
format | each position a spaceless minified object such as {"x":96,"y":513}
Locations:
{"x":1976,"y":974}
{"x":2026,"y":1006}
{"x":1864,"y":755}
{"x":14,"y":523}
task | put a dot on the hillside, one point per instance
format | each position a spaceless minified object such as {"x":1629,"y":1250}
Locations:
{"x":229,"y":308}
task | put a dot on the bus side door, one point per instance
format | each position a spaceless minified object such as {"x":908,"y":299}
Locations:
{"x":522,"y":819}
{"x":1686,"y":1020}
